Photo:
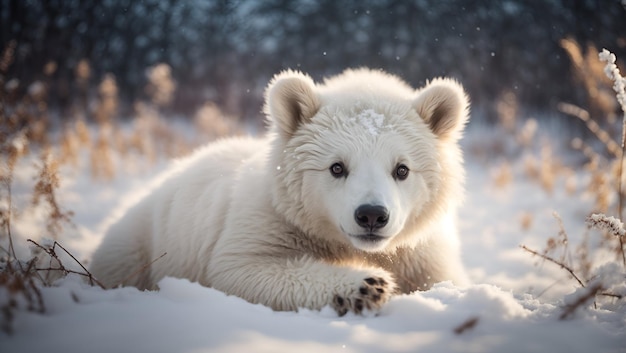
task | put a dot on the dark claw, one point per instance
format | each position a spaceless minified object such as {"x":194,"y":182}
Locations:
{"x":358,"y":305}
{"x":363,"y":290}
{"x":339,"y":300}
{"x":371,"y":281}
{"x":380,"y":290}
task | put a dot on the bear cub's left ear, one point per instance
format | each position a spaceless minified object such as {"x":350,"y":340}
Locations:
{"x":444,"y":106}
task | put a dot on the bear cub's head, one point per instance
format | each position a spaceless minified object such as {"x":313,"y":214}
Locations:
{"x":363,"y":158}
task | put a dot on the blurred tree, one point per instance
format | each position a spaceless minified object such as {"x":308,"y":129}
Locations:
{"x":226,"y":50}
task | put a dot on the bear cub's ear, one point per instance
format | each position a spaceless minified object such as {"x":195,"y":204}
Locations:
{"x":290,"y":100}
{"x":443,"y":105}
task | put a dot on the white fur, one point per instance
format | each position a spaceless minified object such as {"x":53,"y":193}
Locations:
{"x":265,"y":220}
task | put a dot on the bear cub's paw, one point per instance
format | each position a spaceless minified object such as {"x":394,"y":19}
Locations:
{"x":371,"y":294}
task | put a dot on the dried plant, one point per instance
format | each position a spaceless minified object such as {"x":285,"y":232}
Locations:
{"x":24,"y":127}
{"x":589,"y":295}
{"x":108,"y":100}
{"x":526,"y":220}
{"x":15,"y":277}
{"x":611,"y":226}
{"x":21,"y":285}
{"x":46,"y":184}
{"x":589,"y":71}
{"x":51,"y":250}
{"x":212,"y":122}
{"x":69,"y":147}
{"x":526,"y":135}
{"x":507,"y":108}
{"x":161,"y":85}
{"x":7,"y":57}
{"x":591,"y":288}
{"x":598,"y":282}
{"x":102,"y":165}
{"x":22,"y":280}
{"x":502,"y":175}
{"x":82,"y":72}
{"x":467,"y":325}
{"x":619,"y":86}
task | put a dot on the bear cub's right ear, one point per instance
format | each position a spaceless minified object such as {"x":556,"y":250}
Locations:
{"x":290,"y":100}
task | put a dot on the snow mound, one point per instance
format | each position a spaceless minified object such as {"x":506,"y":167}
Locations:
{"x":186,"y":317}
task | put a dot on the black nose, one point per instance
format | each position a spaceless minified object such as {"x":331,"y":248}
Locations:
{"x":371,"y":216}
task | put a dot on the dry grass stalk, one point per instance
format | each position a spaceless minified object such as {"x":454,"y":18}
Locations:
{"x":548,"y":170}
{"x":526,"y":220}
{"x":556,"y":262}
{"x":161,"y":85}
{"x":591,"y":294}
{"x":102,"y":166}
{"x":502,"y":175}
{"x":84,"y":137}
{"x":612,"y":226}
{"x":507,"y":108}
{"x":544,"y":170}
{"x":526,"y":135}
{"x":22,"y":280}
{"x":467,"y":325}
{"x":595,"y":159}
{"x":15,"y":277}
{"x":583,"y":259}
{"x":108,"y":100}
{"x":608,"y":224}
{"x":12,"y":150}
{"x":619,"y":86}
{"x":212,"y":122}
{"x":7,"y":57}
{"x":138,"y":271}
{"x":589,"y":71}
{"x":562,"y":240}
{"x":46,"y":184}
{"x":19,"y":283}
{"x":592,"y":125}
{"x":70,"y":145}
{"x":587,"y":280}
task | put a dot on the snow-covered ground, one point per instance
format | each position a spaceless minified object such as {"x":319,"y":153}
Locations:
{"x":514,"y":304}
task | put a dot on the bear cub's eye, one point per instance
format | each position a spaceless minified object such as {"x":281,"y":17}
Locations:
{"x":338,"y":170}
{"x":402,"y":172}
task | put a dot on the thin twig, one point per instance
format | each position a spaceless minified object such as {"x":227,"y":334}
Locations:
{"x":593,"y":126}
{"x":8,"y":222}
{"x":72,"y":256}
{"x":620,"y":195}
{"x":139,"y":270}
{"x":53,"y":254}
{"x":612,"y":72}
{"x":66,"y":270}
{"x":468,"y":324}
{"x":537,"y":296}
{"x":570,"y":308}
{"x":560,"y":264}
{"x":612,"y":295}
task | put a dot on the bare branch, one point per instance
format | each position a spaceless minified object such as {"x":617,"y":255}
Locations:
{"x":139,"y":270}
{"x":560,"y":264}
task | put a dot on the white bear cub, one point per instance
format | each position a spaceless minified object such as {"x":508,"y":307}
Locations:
{"x":350,"y":198}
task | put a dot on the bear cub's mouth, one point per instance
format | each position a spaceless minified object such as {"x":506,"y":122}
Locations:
{"x":369,"y":237}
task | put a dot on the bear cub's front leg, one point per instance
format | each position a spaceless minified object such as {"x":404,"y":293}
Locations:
{"x":290,"y":284}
